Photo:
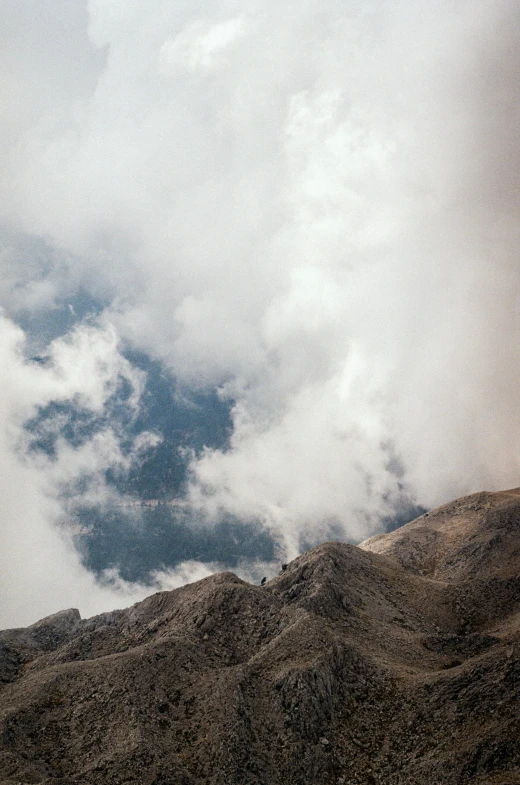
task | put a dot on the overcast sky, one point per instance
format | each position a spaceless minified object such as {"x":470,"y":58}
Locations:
{"x":309,"y":209}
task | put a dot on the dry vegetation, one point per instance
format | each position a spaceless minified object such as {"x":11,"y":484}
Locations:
{"x":395,"y":662}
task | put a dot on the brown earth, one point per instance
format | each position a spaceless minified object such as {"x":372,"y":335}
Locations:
{"x":396,"y":662}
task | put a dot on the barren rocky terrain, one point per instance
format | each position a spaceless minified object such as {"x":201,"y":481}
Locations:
{"x":396,"y":662}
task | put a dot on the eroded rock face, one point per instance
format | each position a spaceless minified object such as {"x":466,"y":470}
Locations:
{"x":396,"y":662}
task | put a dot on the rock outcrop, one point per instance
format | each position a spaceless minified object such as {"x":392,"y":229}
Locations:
{"x":396,"y":662}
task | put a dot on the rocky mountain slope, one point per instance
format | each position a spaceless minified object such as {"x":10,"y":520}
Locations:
{"x":394,"y":662}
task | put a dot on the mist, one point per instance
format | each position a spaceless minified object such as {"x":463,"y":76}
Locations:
{"x":311,"y":210}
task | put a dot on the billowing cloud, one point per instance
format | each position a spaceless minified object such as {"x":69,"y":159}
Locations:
{"x":198,"y":47}
{"x":39,"y":568}
{"x":313,"y":209}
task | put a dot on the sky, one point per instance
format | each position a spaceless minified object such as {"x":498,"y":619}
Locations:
{"x":258,"y":261}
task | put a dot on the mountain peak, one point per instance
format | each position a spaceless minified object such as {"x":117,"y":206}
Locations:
{"x":474,"y":535}
{"x":394,"y":662}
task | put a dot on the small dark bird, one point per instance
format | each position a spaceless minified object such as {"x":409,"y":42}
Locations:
{"x":284,"y":567}
{"x":263,"y":581}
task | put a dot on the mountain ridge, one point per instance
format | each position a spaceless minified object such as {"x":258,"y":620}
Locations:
{"x":397,"y":661}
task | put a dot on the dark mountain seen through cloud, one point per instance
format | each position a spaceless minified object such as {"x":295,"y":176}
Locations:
{"x":137,"y":538}
{"x":151,"y":531}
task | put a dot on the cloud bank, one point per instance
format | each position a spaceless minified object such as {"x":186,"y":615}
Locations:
{"x":313,"y":209}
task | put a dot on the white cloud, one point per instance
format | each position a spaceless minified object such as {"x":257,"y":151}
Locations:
{"x":314,"y":206}
{"x":185,"y":572}
{"x":40,"y":571}
{"x":198,"y":47}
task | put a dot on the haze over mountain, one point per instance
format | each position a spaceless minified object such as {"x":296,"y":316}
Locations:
{"x":395,"y":663}
{"x":260,"y":260}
